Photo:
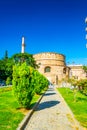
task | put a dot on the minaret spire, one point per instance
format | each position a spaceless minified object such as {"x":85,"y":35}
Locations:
{"x":23,"y":46}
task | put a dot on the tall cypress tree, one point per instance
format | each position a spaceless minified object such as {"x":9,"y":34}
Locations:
{"x":6,"y":55}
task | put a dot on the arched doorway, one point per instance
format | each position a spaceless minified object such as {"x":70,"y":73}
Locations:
{"x":56,"y":79}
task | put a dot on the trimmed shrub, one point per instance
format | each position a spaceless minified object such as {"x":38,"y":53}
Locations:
{"x":41,"y":83}
{"x":27,"y":81}
{"x":22,"y":75}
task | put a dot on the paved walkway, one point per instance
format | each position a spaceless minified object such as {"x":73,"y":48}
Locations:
{"x":52,"y":114}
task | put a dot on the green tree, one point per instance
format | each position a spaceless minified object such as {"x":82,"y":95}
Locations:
{"x":82,"y":85}
{"x":6,"y":68}
{"x":9,"y":67}
{"x":6,"y":55}
{"x":85,"y":69}
{"x":6,"y":64}
{"x":25,"y":57}
{"x":2,"y":70}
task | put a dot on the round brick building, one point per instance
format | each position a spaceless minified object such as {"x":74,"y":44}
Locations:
{"x":52,"y":65}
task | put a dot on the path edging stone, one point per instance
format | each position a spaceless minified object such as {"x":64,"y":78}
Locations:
{"x":28,"y":116}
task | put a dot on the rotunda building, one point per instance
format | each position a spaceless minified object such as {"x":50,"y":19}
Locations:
{"x":52,"y":65}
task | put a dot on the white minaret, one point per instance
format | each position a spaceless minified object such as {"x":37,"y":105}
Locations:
{"x":23,"y":45}
{"x":86,"y":30}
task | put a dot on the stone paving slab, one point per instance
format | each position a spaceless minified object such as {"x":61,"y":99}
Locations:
{"x":52,"y":114}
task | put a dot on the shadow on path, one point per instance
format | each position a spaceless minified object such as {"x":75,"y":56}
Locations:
{"x":48,"y":94}
{"x":47,"y":104}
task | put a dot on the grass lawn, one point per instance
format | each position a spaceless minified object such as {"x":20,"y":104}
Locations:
{"x":10,"y":113}
{"x":77,"y":102}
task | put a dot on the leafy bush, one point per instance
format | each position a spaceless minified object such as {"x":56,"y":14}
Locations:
{"x":8,"y":81}
{"x":82,"y":85}
{"x":41,"y":83}
{"x":22,"y":75}
{"x":27,"y":81}
{"x":73,"y":81}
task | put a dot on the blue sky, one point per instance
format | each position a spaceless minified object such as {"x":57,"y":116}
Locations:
{"x":47,"y":25}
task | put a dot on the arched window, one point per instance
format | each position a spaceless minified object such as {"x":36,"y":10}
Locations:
{"x":64,"y":70}
{"x":47,"y":69}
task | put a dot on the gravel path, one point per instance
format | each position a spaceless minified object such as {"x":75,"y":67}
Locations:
{"x":52,"y":114}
